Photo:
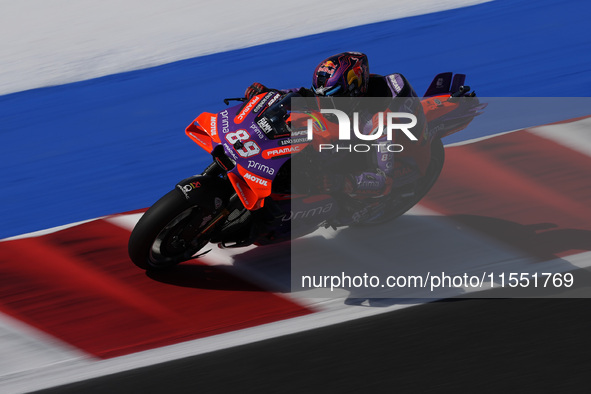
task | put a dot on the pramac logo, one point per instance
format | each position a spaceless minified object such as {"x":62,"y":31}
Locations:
{"x":286,"y":150}
{"x":246,"y":110}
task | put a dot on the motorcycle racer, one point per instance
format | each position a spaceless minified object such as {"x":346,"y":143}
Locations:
{"x":247,"y":194}
{"x":347,"y":75}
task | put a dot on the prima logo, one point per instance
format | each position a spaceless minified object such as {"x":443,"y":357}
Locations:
{"x":258,"y":131}
{"x":307,"y":213}
{"x":386,"y":119}
{"x":261,"y":167}
{"x":225,"y":121}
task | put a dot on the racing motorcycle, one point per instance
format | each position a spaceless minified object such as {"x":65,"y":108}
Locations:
{"x":245,"y":195}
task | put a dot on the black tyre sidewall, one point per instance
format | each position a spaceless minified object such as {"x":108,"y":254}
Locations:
{"x":156,"y":218}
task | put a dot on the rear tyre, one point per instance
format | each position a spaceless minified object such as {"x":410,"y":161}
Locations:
{"x":170,"y":232}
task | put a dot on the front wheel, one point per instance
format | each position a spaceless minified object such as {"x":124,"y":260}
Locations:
{"x":170,"y":232}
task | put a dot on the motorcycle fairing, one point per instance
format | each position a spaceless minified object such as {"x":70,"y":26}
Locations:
{"x":443,"y":84}
{"x":251,"y":189}
{"x":203,"y":131}
{"x":437,"y":106}
{"x":446,"y":114}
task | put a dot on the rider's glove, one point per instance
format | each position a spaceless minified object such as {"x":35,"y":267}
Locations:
{"x":306,"y":92}
{"x":254,"y":89}
{"x":371,"y":184}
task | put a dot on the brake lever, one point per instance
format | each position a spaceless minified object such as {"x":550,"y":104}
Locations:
{"x":227,"y":100}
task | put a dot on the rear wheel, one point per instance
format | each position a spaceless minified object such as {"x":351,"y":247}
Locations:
{"x":170,"y":232}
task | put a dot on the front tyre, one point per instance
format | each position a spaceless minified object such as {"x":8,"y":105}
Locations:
{"x":170,"y":232}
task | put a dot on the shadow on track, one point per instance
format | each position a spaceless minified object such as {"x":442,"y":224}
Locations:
{"x":409,"y":245}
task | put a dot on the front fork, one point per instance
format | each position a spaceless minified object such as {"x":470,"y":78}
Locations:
{"x":241,"y":230}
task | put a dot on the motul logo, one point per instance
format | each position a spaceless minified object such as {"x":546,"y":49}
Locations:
{"x":246,"y":110}
{"x":255,"y":179}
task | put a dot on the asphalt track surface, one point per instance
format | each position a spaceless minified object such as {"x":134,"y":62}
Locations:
{"x":495,"y":345}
